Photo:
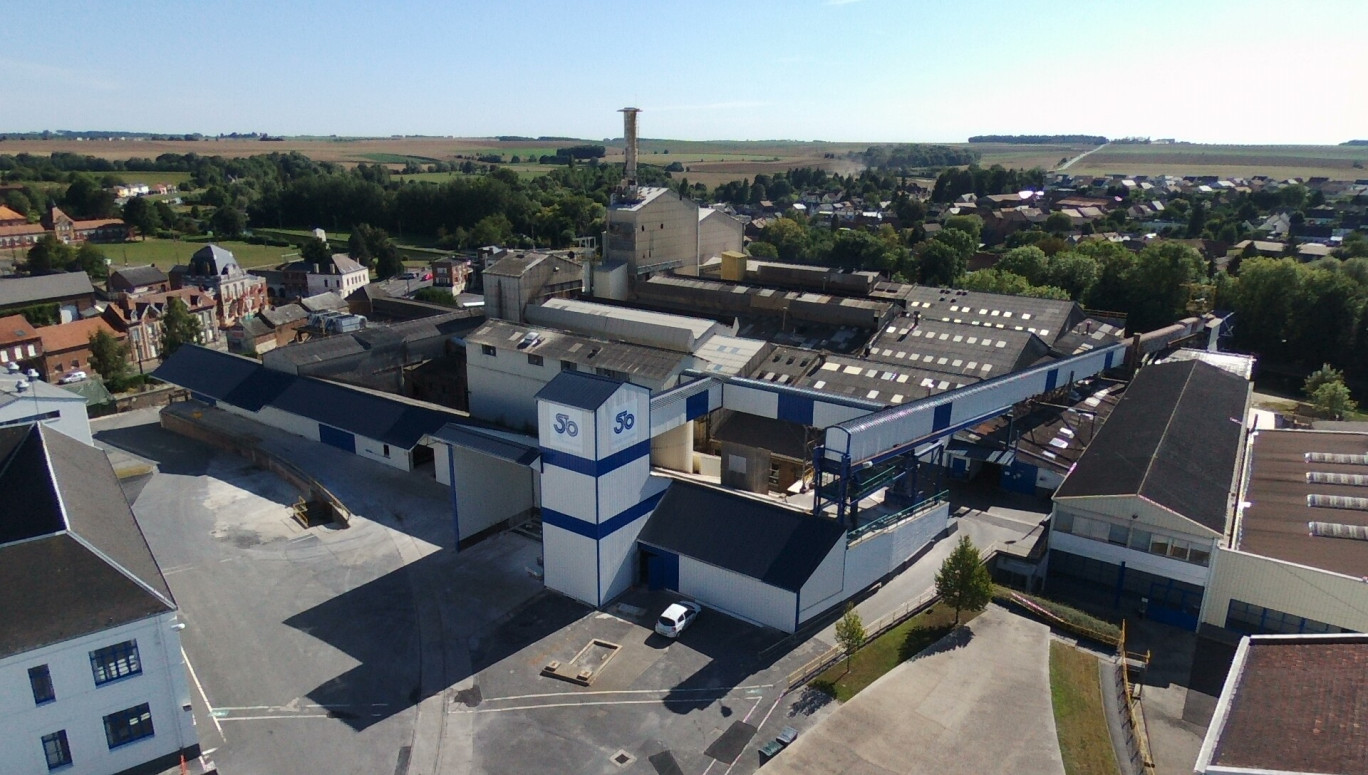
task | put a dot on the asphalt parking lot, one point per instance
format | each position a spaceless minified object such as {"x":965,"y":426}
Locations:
{"x":378,"y":649}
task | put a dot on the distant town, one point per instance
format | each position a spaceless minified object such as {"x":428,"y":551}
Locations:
{"x":1033,"y":453}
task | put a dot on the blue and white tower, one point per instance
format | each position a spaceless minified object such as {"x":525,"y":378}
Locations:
{"x":597,"y":488}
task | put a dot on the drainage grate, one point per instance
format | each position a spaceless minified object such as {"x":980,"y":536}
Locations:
{"x":622,"y":758}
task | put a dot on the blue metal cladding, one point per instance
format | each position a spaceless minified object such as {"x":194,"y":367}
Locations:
{"x":662,"y":569}
{"x":941,"y":420}
{"x":696,"y":405}
{"x":1111,"y":355}
{"x":1052,"y":379}
{"x":795,"y":408}
{"x":595,"y":468}
{"x":336,"y":438}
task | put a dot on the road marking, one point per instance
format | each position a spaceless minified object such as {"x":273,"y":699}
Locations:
{"x":284,"y":708}
{"x":277,"y":718}
{"x":724,"y":691}
{"x":579,"y":705}
{"x":757,"y":729}
{"x":191,"y":669}
{"x":177,"y":569}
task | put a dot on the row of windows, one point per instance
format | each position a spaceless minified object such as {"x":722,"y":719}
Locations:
{"x":121,"y":728}
{"x":537,"y":360}
{"x":1197,"y":553}
{"x":1256,"y":620}
{"x":107,"y":664}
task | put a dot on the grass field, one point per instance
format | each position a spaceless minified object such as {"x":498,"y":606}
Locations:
{"x":167,"y":253}
{"x":1076,"y":694}
{"x":888,"y":651}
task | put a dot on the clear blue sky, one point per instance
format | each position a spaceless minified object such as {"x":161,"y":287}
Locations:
{"x":1234,"y":71}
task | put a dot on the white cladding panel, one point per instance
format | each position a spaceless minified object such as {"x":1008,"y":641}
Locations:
{"x":874,"y":556}
{"x":624,"y":420}
{"x":749,"y":400}
{"x":732,"y":592}
{"x":1293,"y":589}
{"x":823,"y":588}
{"x":81,"y":706}
{"x":71,"y":419}
{"x":570,"y":564}
{"x":503,"y":387}
{"x":825,"y":414}
{"x":1138,"y":512}
{"x":372,"y":449}
{"x":569,"y":492}
{"x":286,"y":421}
{"x":1167,"y":567}
{"x":618,"y":559}
{"x":623,"y":488}
{"x":488,"y":490}
{"x":566,"y":429}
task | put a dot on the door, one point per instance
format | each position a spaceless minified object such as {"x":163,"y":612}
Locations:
{"x":336,"y":438}
{"x":662,"y":569}
{"x":1172,"y":604}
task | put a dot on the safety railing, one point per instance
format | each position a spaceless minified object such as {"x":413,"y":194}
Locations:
{"x":888,"y":520}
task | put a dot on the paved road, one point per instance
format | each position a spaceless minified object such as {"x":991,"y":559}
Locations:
{"x":977,"y":702}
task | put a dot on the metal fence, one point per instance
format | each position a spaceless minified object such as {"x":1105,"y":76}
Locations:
{"x":876,"y":628}
{"x":1136,"y":741}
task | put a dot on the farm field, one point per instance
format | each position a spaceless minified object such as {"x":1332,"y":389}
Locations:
{"x":1279,"y":161}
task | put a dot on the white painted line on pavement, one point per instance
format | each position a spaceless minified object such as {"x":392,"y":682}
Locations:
{"x":624,"y":691}
{"x":191,"y":669}
{"x":579,"y":705}
{"x":276,"y":718}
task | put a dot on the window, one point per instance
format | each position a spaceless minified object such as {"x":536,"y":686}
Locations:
{"x":1140,"y":540}
{"x":488,"y":349}
{"x":386,"y":446}
{"x":126,"y":726}
{"x":569,"y":366}
{"x":534,"y":360}
{"x":41,"y":681}
{"x":114,"y":662}
{"x":1063,"y":522}
{"x":1118,"y":534}
{"x":56,"y":750}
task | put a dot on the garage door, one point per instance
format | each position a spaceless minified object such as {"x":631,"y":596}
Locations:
{"x":335,"y":438}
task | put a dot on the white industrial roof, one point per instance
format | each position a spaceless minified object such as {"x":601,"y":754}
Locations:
{"x":724,"y":354}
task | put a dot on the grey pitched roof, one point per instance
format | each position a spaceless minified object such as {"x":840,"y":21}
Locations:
{"x":1173,"y":439}
{"x":31,"y":290}
{"x":488,"y":443}
{"x":766,"y":541}
{"x":323,"y":301}
{"x":213,"y":260}
{"x":244,"y":383}
{"x":582,"y":391}
{"x":282,"y":315}
{"x":72,"y":558}
{"x":134,"y":276}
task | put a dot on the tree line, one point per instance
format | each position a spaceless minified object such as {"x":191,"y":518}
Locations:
{"x":1041,"y":139}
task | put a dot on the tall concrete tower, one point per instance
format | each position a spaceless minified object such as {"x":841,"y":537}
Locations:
{"x":629,"y":133}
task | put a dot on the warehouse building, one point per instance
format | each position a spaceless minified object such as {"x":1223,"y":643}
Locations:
{"x":1297,"y":556}
{"x":1146,"y":506}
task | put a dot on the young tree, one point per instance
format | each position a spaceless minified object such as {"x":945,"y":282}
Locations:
{"x":1334,"y":400}
{"x":109,"y":357}
{"x":179,"y":327}
{"x":962,"y":581}
{"x":850,"y":632}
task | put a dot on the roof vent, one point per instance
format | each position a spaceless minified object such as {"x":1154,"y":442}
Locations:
{"x":1337,"y":458}
{"x":1337,"y":502}
{"x":1338,"y":530}
{"x":1323,"y":477}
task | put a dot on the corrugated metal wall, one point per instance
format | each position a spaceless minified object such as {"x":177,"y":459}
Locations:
{"x":741,"y":595}
{"x":1282,"y":586}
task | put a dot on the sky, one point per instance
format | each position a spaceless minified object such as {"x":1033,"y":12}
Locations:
{"x":1219,"y":71}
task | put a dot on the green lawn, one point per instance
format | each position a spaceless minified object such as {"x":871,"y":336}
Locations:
{"x":888,"y":651}
{"x":167,"y":253}
{"x":1076,"y":694}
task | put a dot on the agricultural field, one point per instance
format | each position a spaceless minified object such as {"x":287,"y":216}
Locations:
{"x":1279,"y":161}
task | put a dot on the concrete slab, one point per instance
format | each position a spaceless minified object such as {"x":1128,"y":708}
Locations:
{"x":977,"y":702}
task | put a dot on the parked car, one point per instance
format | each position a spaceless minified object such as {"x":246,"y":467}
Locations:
{"x":677,"y":617}
{"x":427,"y":275}
{"x":75,"y":376}
{"x":409,"y":276}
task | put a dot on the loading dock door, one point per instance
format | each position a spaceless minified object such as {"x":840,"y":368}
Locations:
{"x":662,"y":568}
{"x":335,"y":438}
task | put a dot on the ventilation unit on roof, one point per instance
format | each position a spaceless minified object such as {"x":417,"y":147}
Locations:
{"x":1327,"y":477}
{"x":1337,"y":458}
{"x":1338,"y":530}
{"x":1337,"y":502}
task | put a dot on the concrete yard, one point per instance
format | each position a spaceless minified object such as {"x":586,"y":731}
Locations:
{"x":977,"y":702}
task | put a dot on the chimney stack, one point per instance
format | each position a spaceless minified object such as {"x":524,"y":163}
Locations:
{"x":629,"y":133}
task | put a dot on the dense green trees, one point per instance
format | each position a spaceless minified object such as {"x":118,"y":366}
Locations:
{"x":1296,"y":314}
{"x":109,"y":358}
{"x":315,"y":251}
{"x":141,"y":214}
{"x":179,"y":328}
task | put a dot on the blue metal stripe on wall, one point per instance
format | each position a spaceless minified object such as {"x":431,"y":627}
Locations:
{"x":603,"y":529}
{"x":941,"y":420}
{"x":589,"y":467}
{"x":1051,"y":379}
{"x":696,"y":405}
{"x":1111,"y":355}
{"x":795,"y":408}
